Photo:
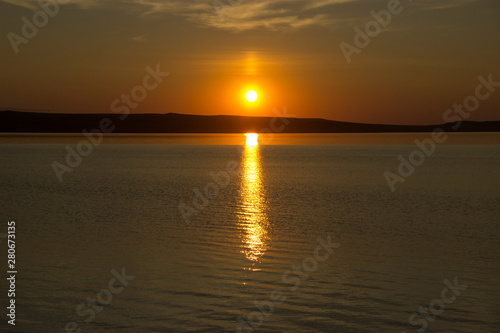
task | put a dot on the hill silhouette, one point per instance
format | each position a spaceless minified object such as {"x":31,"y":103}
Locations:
{"x":32,"y":122}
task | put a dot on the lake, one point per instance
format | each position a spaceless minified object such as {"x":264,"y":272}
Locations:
{"x":200,"y":233}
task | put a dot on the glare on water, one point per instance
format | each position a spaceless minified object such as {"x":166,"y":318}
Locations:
{"x":253,"y":218}
{"x":252,"y":139}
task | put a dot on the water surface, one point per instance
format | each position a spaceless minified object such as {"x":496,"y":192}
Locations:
{"x":120,"y":208}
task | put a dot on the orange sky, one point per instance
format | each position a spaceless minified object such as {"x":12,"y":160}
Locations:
{"x":92,"y":52}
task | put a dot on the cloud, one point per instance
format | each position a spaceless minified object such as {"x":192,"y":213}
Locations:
{"x":21,"y":3}
{"x":240,"y":15}
{"x":244,"y":14}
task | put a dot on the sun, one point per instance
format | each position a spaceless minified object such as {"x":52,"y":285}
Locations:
{"x":251,"y":96}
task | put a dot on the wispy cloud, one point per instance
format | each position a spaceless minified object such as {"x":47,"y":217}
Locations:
{"x":249,"y":14}
{"x":22,"y":3}
{"x":270,"y":14}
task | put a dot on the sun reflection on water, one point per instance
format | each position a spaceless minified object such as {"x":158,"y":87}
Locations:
{"x":252,"y":139}
{"x":253,"y":218}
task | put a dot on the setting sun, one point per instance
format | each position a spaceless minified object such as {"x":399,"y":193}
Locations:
{"x":252,"y":139}
{"x":251,"y":96}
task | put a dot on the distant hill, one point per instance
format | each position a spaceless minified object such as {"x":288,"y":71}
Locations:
{"x":31,"y":122}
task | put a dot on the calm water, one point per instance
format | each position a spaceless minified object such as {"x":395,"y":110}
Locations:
{"x":120,"y":209}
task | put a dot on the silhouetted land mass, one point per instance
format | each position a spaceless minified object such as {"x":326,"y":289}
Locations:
{"x":31,"y":122}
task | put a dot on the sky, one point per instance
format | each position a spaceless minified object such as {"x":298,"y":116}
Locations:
{"x":423,"y":58}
